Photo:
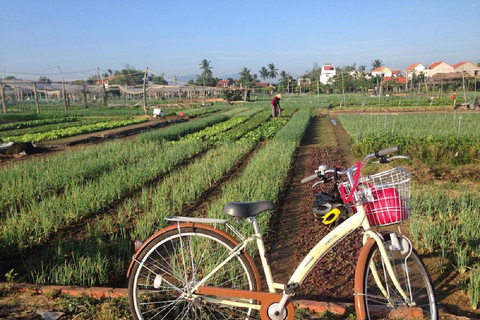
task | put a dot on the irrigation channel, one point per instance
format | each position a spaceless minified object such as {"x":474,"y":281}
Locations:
{"x":91,"y":245}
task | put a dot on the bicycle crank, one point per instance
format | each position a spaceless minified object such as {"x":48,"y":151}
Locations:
{"x":287,"y":313}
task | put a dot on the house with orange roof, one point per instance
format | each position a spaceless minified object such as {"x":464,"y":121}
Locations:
{"x":416,"y":68}
{"x":467,"y":67}
{"x":438,"y":67}
{"x":394,"y":83}
{"x":382,"y":72}
{"x":397,"y":73}
{"x":326,"y":72}
{"x":223,"y":83}
{"x":261,"y":84}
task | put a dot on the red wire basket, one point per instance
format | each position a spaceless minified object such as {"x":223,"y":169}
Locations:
{"x":385,"y":195}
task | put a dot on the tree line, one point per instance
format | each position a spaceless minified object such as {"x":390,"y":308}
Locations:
{"x":344,"y":81}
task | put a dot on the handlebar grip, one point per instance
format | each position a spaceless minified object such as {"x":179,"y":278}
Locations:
{"x":310,"y":178}
{"x":384,"y":152}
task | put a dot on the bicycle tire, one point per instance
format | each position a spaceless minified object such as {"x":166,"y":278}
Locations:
{"x":371,"y":303}
{"x":174,"y":261}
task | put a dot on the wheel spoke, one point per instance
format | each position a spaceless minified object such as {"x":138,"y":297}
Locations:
{"x":389,"y":302}
{"x":172,"y":265}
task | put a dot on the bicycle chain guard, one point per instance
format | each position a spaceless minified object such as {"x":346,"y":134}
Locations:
{"x":267,"y":301}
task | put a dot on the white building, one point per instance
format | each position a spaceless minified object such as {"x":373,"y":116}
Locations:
{"x":414,"y":69}
{"x":328,"y":71}
{"x":382,"y":72}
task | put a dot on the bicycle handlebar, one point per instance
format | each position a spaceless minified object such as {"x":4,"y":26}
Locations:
{"x":384,"y":152}
{"x":377,"y":154}
{"x":310,"y":178}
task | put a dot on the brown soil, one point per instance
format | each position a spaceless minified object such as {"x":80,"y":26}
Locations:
{"x":293,"y":231}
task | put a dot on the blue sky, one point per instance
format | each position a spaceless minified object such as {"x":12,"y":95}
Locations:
{"x":36,"y":37}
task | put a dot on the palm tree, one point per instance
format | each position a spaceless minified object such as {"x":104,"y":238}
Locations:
{"x":246,"y":78}
{"x":245,"y":75}
{"x":110,"y":71}
{"x":207,"y":69}
{"x":263,"y":73}
{"x":362,"y":68}
{"x":272,"y":73}
{"x":377,"y":63}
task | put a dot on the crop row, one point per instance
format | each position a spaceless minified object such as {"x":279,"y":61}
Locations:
{"x":112,"y":181}
{"x":92,"y":259}
{"x":34,"y":123}
{"x":31,"y":181}
{"x":35,"y":223}
{"x":71,"y":131}
{"x":432,"y":139}
{"x":241,"y":129}
{"x":448,"y":224}
{"x":182,"y":129}
{"x":268,"y":128}
{"x":50,"y":127}
{"x":465,"y":125}
{"x":210,"y":132}
{"x":362,"y":102}
{"x":26,"y":182}
{"x":264,"y":176}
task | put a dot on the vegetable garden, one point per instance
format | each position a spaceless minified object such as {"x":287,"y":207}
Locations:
{"x":136,"y":182}
{"x":71,"y":218}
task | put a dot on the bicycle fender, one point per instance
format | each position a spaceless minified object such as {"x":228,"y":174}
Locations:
{"x":359,"y":298}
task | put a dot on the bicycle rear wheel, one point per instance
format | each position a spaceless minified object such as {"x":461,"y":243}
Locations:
{"x":175,"y":261}
{"x":376,"y":297}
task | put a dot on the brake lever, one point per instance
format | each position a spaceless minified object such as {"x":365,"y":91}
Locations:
{"x":398,"y":157}
{"x":317,"y":183}
{"x":323,"y":180}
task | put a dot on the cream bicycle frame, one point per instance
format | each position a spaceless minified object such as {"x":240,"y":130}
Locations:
{"x":311,"y":259}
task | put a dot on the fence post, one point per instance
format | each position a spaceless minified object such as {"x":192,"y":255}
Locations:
{"x":4,"y":105}
{"x":36,"y":97}
{"x":104,"y":94}
{"x":145,"y":90}
{"x":64,"y":93}
{"x":85,"y":96}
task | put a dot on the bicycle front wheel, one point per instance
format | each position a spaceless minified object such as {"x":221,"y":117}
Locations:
{"x":166,"y":270}
{"x":377,"y":297}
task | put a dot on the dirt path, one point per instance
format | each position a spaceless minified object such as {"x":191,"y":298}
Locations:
{"x":293,"y":231}
{"x":283,"y":228}
{"x":342,"y":140}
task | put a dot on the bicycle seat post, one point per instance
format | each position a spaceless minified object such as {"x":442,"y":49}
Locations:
{"x":263,"y":254}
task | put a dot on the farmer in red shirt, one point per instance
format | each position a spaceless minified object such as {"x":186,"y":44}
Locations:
{"x":276,"y":105}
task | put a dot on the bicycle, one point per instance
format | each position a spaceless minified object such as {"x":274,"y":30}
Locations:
{"x":194,"y":270}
